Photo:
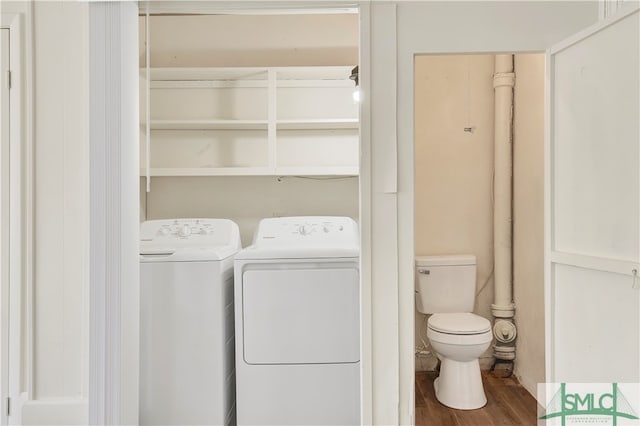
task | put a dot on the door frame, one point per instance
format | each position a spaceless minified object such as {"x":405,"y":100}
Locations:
{"x":113,"y":349}
{"x":17,"y":385}
{"x":5,"y":180}
{"x":414,"y":37}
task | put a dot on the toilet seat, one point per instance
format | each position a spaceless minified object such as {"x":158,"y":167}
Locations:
{"x":464,"y":323}
{"x":459,"y":339}
{"x":459,"y":329}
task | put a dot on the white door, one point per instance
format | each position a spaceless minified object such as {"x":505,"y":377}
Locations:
{"x":592,"y":205}
{"x":4,"y":223}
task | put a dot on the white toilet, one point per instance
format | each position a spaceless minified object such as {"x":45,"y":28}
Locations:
{"x":445,"y":287}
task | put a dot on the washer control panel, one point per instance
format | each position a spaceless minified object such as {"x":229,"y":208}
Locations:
{"x":185,"y":228}
{"x":206,"y":232}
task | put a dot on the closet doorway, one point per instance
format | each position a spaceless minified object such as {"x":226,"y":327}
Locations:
{"x":247,"y":116}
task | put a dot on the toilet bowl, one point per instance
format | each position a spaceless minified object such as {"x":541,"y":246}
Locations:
{"x":459,"y":339}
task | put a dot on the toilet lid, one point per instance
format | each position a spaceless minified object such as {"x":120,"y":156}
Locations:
{"x":460,"y":323}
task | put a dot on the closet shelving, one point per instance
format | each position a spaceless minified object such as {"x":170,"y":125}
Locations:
{"x":251,"y":121}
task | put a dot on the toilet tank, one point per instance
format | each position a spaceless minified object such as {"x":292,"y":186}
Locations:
{"x":445,"y":284}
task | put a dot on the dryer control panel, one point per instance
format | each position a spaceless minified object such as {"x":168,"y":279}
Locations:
{"x":303,"y":229}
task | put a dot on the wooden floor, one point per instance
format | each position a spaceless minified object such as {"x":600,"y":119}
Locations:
{"x":508,"y":404}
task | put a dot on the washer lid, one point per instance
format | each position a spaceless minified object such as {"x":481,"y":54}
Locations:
{"x":459,"y":323}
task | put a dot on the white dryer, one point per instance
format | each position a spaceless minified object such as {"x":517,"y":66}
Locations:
{"x":186,"y":321}
{"x":297,"y":302}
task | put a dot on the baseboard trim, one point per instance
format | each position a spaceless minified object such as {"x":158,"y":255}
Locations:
{"x":529,"y":384}
{"x":56,"y":412}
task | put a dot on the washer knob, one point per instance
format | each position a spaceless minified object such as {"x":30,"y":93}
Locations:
{"x":304,"y":230}
{"x":185,"y":231}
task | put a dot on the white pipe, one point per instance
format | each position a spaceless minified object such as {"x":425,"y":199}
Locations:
{"x":503,"y":307}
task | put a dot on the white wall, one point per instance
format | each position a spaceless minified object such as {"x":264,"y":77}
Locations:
{"x":246,"y":200}
{"x":252,"y":40}
{"x":249,"y":40}
{"x":528,"y":218}
{"x":454,"y":169}
{"x":429,"y":27}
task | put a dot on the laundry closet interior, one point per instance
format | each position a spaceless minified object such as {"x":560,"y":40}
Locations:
{"x":247,"y":116}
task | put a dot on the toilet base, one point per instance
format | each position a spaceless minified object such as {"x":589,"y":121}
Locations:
{"x":459,"y":385}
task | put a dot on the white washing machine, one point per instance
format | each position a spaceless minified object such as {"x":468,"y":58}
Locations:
{"x":186,"y":321}
{"x":297,"y":315}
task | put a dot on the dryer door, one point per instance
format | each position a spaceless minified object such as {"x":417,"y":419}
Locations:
{"x":304,"y":314}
